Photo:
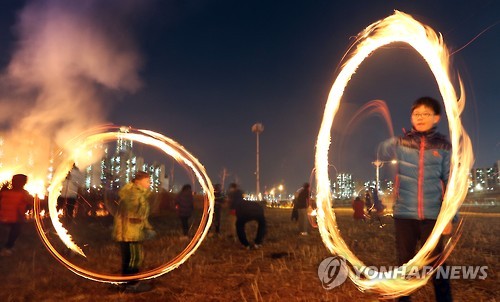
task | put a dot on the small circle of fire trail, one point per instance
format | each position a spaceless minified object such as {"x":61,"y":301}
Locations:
{"x":398,"y":27}
{"x":107,"y":134}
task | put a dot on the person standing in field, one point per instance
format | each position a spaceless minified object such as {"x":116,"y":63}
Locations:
{"x":301,"y":203}
{"x":184,"y":203}
{"x":70,"y":192}
{"x":14,"y":203}
{"x":219,"y":202}
{"x":131,"y":227}
{"x":378,"y":206}
{"x":377,"y":203}
{"x":233,"y":196}
{"x":368,"y":202}
{"x":423,"y":156}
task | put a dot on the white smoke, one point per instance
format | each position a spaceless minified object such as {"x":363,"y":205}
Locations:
{"x":70,"y":57}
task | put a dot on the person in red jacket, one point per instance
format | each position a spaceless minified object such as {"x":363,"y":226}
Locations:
{"x":359,"y":209}
{"x":13,"y":204}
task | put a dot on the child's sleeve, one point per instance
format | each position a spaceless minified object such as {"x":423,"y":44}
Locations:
{"x":387,"y":149}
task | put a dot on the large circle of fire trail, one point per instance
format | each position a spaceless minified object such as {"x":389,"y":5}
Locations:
{"x":80,"y":153}
{"x":398,"y":27}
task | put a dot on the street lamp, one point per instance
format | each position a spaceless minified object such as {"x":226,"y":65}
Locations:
{"x":257,"y":128}
{"x":378,"y":164}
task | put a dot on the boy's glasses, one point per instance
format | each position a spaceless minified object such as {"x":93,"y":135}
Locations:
{"x":424,"y":115}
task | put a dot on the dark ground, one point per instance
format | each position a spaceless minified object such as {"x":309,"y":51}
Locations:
{"x":285,"y":269}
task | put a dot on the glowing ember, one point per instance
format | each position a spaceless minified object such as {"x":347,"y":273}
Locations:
{"x":149,"y":138}
{"x":396,"y":28}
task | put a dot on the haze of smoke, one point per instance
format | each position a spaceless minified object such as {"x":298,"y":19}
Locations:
{"x":69,"y":55}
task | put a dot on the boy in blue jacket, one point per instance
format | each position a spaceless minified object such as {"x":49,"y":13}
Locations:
{"x":423,"y":156}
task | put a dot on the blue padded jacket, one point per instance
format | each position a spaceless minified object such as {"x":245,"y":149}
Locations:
{"x":423,"y":171}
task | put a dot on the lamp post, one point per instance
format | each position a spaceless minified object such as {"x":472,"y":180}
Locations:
{"x":378,"y":164}
{"x":257,"y":128}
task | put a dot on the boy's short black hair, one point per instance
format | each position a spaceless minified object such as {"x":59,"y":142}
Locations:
{"x":427,"y":102}
{"x":140,"y":175}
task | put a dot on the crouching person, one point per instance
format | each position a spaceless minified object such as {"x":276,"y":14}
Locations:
{"x":247,"y":211}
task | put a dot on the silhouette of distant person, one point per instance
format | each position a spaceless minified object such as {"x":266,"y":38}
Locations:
{"x":377,"y":203}
{"x":219,"y":202}
{"x":301,"y":203}
{"x":247,"y":211}
{"x":14,"y":203}
{"x":184,"y":203}
{"x":232,"y":195}
{"x":368,"y":202}
{"x":71,"y":187}
{"x":295,"y":214}
{"x":377,"y":208}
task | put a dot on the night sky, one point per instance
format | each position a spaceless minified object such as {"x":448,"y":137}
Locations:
{"x":211,"y":69}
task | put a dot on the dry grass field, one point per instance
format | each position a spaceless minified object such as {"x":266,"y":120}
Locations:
{"x":284,"y":269}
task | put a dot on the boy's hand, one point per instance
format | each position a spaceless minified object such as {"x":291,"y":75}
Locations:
{"x":447,"y":229}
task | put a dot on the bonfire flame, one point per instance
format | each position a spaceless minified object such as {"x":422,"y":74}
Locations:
{"x":399,"y":27}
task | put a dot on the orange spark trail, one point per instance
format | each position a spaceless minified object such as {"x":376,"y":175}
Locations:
{"x":81,"y":154}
